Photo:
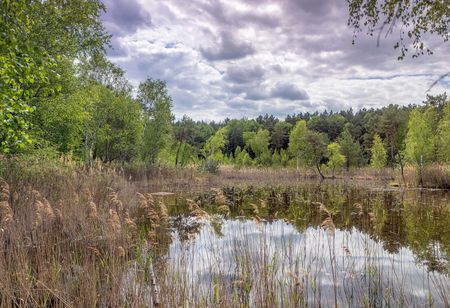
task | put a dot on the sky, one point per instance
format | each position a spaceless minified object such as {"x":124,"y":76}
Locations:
{"x":245,"y":58}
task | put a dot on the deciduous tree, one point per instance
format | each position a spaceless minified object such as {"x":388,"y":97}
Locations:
{"x":335,"y":157}
{"x":379,"y":155}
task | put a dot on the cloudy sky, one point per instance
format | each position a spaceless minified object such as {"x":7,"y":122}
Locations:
{"x":249,"y":57}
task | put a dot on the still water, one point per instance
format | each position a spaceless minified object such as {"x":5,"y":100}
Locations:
{"x":309,"y":245}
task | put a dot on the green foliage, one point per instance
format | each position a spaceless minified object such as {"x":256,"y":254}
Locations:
{"x":235,"y":131}
{"x":153,"y":96}
{"x":116,"y":126}
{"x":392,"y":126}
{"x":62,"y":120}
{"x":443,"y":135}
{"x":276,"y":158}
{"x":280,"y":135}
{"x":416,"y":18}
{"x":210,"y":165}
{"x":21,"y":75}
{"x":316,"y":145}
{"x":258,"y":143}
{"x":242,"y":158}
{"x":297,"y":141}
{"x":184,"y":133}
{"x":38,"y":37}
{"x":331,"y":125}
{"x":420,"y":137}
{"x":284,"y":158}
{"x":335,"y":157}
{"x":350,"y":149}
{"x":216,"y":143}
{"x":379,"y":155}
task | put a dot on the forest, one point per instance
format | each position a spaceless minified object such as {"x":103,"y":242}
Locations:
{"x":69,"y":99}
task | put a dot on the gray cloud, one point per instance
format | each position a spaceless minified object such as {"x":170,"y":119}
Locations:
{"x":245,"y":57}
{"x":125,"y":16}
{"x":228,"y":48}
{"x":289,"y":91}
{"x":256,"y":94}
{"x":240,"y":74}
{"x":229,"y":17}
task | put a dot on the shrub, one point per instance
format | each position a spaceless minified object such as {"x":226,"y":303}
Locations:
{"x":209,"y":165}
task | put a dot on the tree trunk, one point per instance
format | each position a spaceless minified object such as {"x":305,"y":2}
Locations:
{"x":420,"y":172}
{"x":402,"y":166}
{"x":178,"y":152}
{"x":320,"y":171}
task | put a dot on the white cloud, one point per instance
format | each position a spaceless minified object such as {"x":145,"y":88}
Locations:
{"x":233,"y":58}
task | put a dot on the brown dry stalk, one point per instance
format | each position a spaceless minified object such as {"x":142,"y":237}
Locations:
{"x":87,"y":194}
{"x":115,"y":201}
{"x":37,"y":222}
{"x":146,"y":211}
{"x":328,"y":224}
{"x":47,"y":210}
{"x":219,"y":197}
{"x":164,"y":213}
{"x":114,"y":221}
{"x":129,"y":223}
{"x":120,"y":252}
{"x":195,"y":209}
{"x":6,"y":214}
{"x":4,"y":190}
{"x":150,"y":199}
{"x":15,"y":197}
{"x":92,"y":210}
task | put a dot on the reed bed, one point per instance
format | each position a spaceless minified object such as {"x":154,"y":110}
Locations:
{"x":71,"y":245}
{"x":73,"y":238}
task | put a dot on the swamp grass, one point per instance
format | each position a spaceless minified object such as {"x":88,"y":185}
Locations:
{"x":72,"y":238}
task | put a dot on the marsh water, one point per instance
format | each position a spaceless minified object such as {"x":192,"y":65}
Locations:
{"x":307,"y":245}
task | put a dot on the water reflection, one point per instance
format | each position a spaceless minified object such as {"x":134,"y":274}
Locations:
{"x":277,"y":254}
{"x":265,"y":246}
{"x":418,"y":220}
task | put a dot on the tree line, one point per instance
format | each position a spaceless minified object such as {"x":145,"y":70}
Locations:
{"x":60,"y":93}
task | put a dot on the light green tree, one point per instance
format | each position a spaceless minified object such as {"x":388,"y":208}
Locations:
{"x":443,"y":135}
{"x":297,"y":141}
{"x":335,"y":157}
{"x":184,"y":134}
{"x":316,"y":149}
{"x":420,"y":139}
{"x":276,"y":158}
{"x":379,"y":155}
{"x":215,"y":144}
{"x":242,"y":158}
{"x":284,"y":157}
{"x":259,"y":143}
{"x":38,"y":39}
{"x":20,"y":75}
{"x":116,"y":126}
{"x":157,"y":104}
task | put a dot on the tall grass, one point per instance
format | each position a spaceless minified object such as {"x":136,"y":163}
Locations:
{"x":71,"y":237}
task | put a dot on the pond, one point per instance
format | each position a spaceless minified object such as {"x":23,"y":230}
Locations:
{"x":305,"y":245}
